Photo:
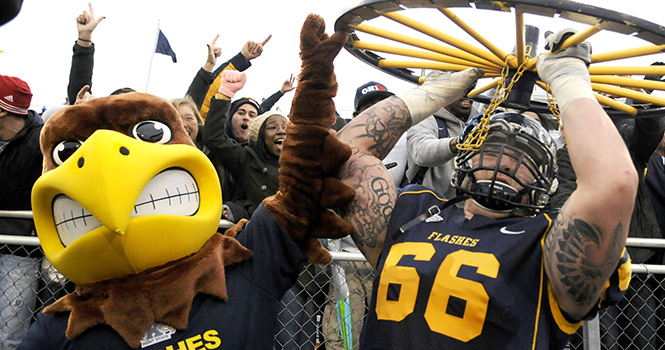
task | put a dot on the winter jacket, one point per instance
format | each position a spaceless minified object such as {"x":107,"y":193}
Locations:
{"x":20,"y":166}
{"x":426,"y":149}
{"x":258,"y":178}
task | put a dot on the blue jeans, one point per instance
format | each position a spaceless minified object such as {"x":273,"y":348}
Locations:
{"x":18,"y":296}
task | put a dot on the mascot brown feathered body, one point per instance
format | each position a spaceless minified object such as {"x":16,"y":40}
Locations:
{"x":128,"y":210}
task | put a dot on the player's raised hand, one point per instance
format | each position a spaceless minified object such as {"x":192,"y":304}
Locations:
{"x":439,"y":89}
{"x":566,"y":71}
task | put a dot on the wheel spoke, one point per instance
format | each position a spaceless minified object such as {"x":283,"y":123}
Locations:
{"x":627,"y":70}
{"x":428,"y":55}
{"x":615,"y":104}
{"x":627,"y":53}
{"x":474,"y":34}
{"x":430,"y":65}
{"x":632,"y":94}
{"x":630,"y":82}
{"x":581,"y":36}
{"x":448,"y":39}
{"x":479,"y":90}
{"x":405,"y":39}
{"x":519,"y":39}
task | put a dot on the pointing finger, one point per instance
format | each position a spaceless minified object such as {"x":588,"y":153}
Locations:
{"x":266,"y":41}
{"x":82,"y":92}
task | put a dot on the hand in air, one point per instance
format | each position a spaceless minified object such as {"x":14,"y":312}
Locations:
{"x":87,"y":22}
{"x":252,"y":49}
{"x":288,"y":85}
{"x":231,"y":82}
{"x":213,"y":53}
{"x":451,"y":85}
{"x":84,"y":95}
{"x":573,"y":60}
{"x":566,"y":71}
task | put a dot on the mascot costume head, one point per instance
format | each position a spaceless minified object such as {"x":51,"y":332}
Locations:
{"x":122,"y":183}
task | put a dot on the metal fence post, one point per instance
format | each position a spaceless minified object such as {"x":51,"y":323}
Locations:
{"x":592,"y":334}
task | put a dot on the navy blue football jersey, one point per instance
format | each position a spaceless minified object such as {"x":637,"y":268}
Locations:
{"x":248,"y":320}
{"x":453,"y":283}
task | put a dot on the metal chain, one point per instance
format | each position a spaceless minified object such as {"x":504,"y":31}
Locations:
{"x":555,"y":110}
{"x":476,"y":138}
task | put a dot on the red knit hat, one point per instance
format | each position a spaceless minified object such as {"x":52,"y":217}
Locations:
{"x":15,"y":95}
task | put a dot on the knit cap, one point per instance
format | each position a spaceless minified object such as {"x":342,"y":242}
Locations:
{"x":15,"y":95}
{"x":254,"y":128}
{"x":234,"y":108}
{"x":241,"y":101}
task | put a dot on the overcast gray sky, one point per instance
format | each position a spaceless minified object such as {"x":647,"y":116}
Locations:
{"x":37,"y":44}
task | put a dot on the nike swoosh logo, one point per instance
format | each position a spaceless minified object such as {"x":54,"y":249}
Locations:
{"x":506,"y":231}
{"x":441,"y":128}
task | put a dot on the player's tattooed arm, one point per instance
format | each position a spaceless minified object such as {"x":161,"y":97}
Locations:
{"x":579,"y":259}
{"x":371,"y":135}
{"x":377,"y":129}
{"x":370,"y":211}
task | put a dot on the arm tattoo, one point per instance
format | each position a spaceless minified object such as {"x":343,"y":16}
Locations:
{"x":384,"y":125}
{"x":372,"y":206}
{"x":371,"y":136}
{"x":581,"y":261}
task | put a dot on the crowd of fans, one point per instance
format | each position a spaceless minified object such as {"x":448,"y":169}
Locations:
{"x":243,"y":139}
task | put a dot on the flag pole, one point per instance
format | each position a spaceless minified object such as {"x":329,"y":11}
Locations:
{"x":152,"y":55}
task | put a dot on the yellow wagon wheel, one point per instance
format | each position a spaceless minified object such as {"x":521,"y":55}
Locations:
{"x":405,"y":37}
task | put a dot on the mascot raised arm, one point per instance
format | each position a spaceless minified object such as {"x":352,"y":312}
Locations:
{"x":128,"y":209}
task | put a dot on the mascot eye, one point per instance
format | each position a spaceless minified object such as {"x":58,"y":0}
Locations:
{"x":152,"y":131}
{"x":64,"y":150}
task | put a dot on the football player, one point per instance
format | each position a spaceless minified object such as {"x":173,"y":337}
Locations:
{"x":501,"y":272}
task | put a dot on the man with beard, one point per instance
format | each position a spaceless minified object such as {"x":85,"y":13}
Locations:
{"x":431,"y":145}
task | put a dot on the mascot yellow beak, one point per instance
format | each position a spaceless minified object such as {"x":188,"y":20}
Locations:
{"x":119,"y":206}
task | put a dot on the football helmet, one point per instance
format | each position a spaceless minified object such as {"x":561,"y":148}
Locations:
{"x":513,"y":142}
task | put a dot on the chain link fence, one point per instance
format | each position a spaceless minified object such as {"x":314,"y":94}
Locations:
{"x":636,"y":323}
{"x":326,"y":307}
{"x":28,"y":283}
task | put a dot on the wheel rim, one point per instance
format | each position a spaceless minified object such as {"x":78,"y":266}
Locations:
{"x":435,"y":49}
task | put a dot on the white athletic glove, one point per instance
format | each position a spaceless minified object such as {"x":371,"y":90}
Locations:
{"x":437,"y":91}
{"x":567,"y":71}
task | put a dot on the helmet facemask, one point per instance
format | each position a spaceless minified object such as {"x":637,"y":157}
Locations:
{"x":517,"y":153}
